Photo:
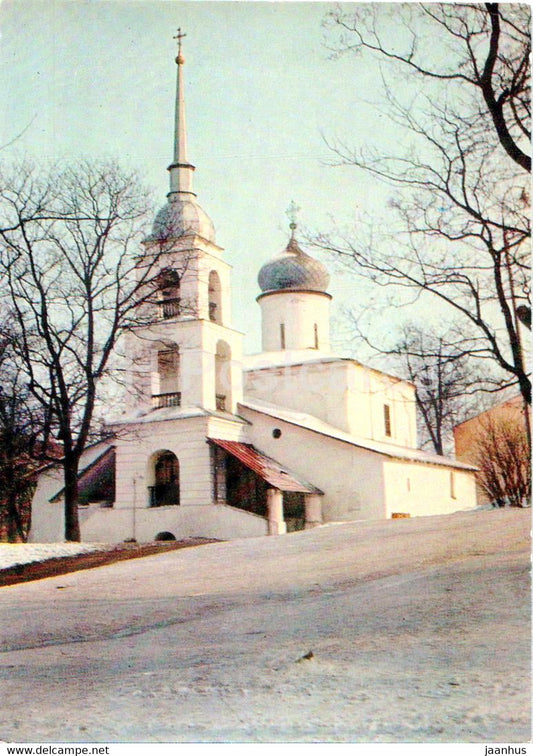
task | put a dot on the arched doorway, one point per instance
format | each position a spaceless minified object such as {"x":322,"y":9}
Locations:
{"x":166,"y":476}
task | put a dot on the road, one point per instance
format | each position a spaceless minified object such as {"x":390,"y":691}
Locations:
{"x":418,"y":629}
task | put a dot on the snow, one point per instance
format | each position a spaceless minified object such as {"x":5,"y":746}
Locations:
{"x":12,"y":554}
{"x":419,"y":631}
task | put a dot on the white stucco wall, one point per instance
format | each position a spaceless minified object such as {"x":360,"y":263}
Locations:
{"x":211,"y":521}
{"x":193,"y":258}
{"x":422,"y":489}
{"x":197,"y":342}
{"x":206,"y":263}
{"x":136,"y":445}
{"x":368,"y":392}
{"x":316,"y":388}
{"x":298,"y":311}
{"x":47,"y":519}
{"x":351,"y":478}
{"x":197,"y":514}
{"x":360,"y":484}
{"x":343,"y":393}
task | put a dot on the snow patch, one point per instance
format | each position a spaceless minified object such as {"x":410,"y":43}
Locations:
{"x":12,"y":554}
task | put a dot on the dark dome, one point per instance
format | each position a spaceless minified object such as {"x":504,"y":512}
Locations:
{"x":293,"y":269}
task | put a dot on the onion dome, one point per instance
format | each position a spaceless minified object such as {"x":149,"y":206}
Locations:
{"x":293,"y":269}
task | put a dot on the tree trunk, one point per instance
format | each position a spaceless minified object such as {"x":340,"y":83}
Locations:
{"x":72,"y":523}
{"x":15,"y":528}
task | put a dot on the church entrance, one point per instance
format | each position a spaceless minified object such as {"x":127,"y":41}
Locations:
{"x":166,"y":489}
{"x":294,"y":510}
{"x":242,"y":477}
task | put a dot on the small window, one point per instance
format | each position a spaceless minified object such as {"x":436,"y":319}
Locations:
{"x":387,"y":419}
{"x":409,"y":485}
{"x":452,"y":485}
{"x":282,"y":335}
{"x":276,"y":433}
{"x":316,"y":336}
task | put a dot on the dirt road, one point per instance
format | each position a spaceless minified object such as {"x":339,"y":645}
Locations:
{"x":419,"y":632}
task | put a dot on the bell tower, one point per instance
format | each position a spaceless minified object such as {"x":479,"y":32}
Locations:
{"x":184,"y":352}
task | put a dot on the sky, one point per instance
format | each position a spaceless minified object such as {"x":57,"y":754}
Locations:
{"x":96,"y":80}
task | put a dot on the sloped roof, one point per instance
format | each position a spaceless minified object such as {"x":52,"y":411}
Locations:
{"x":380,"y":447}
{"x":93,"y":469}
{"x":266,"y":467}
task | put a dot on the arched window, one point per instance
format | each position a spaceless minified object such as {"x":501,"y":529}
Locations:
{"x":166,"y":391}
{"x":168,"y":293}
{"x":223,"y":377}
{"x":215,"y":301}
{"x":165,"y":490}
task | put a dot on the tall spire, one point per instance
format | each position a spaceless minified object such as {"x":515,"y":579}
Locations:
{"x":181,"y":170}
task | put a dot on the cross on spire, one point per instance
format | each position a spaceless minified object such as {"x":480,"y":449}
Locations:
{"x":179,"y":36}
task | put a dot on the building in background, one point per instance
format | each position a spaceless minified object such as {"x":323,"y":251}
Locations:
{"x":495,"y":442}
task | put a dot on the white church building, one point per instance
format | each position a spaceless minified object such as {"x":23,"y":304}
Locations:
{"x":214,"y":444}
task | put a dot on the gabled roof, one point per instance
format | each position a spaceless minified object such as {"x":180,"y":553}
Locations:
{"x":316,"y":425}
{"x":266,"y":467}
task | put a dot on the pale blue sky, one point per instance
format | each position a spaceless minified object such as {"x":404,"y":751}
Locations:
{"x":97,"y":79}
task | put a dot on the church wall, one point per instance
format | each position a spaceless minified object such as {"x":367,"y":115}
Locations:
{"x":47,"y":518}
{"x":422,"y":489}
{"x":316,"y":388}
{"x":197,"y":342}
{"x":351,"y":478}
{"x":230,"y":430}
{"x":206,"y":264}
{"x":211,"y":521}
{"x":137,"y":443}
{"x":344,"y":394}
{"x":369,"y":392}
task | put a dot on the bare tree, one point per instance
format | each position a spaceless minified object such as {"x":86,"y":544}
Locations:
{"x":75,"y":278}
{"x":445,"y":379}
{"x":501,"y":455}
{"x":459,"y":229}
{"x":24,"y":442}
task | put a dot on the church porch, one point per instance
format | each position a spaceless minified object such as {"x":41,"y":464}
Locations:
{"x":245,"y":478}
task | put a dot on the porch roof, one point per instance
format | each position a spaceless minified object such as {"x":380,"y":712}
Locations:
{"x":267,"y":468}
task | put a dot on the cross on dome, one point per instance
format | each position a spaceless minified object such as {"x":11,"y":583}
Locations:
{"x":292,"y":213}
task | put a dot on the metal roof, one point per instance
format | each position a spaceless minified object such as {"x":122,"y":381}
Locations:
{"x":266,"y":467}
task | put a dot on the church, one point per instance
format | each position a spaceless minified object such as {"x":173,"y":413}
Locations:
{"x":214,"y":444}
